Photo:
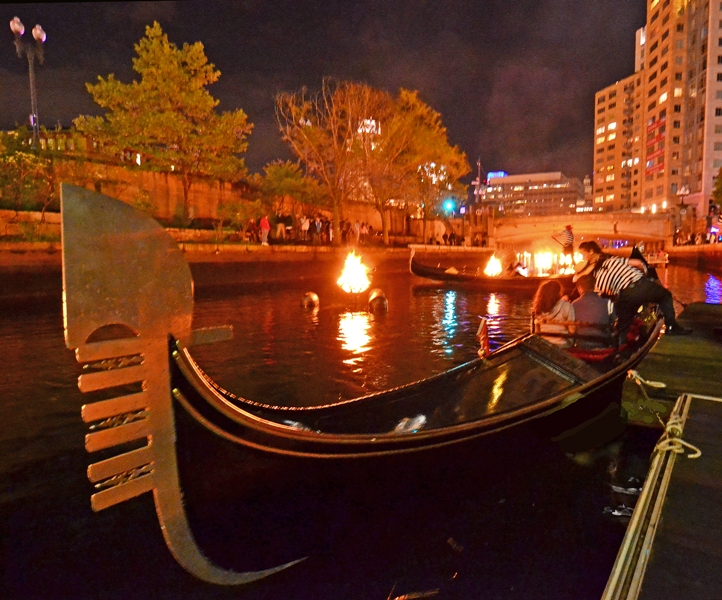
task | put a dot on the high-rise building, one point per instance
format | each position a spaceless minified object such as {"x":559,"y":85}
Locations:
{"x":534,"y":194}
{"x":617,"y":144}
{"x":674,"y":101}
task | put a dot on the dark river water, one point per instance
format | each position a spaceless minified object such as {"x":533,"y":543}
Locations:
{"x":481,"y":525}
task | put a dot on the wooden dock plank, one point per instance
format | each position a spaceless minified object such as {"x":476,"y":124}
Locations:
{"x":686,"y":558}
{"x":673,"y":546}
{"x":686,"y":364}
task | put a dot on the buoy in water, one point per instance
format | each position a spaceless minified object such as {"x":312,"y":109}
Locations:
{"x":377,"y":301}
{"x":310,"y":300}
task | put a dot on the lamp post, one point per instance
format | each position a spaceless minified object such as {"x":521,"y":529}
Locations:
{"x":31,"y":51}
{"x":683,"y":192}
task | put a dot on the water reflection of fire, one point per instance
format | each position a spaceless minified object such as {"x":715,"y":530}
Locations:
{"x":354,"y":333}
{"x":354,"y":277}
{"x":493,"y":267}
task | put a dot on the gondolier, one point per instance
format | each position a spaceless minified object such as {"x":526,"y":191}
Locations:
{"x":623,"y":280}
{"x":566,"y":239}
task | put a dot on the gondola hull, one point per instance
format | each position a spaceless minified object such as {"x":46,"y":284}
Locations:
{"x":474,"y":277}
{"x":525,"y":380}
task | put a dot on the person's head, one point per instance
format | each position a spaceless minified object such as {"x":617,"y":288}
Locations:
{"x":590,"y":251}
{"x":585,"y":284}
{"x":546,"y":297}
{"x":569,"y":227}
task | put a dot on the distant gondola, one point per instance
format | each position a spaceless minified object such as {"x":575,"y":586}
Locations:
{"x":128,"y":305}
{"x":475,"y":277}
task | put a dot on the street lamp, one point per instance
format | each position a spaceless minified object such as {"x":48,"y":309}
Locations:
{"x":32,"y":51}
{"x":683,"y":192}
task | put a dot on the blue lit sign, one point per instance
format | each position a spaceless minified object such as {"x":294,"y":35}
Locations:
{"x":449,"y":205}
{"x":496,"y":174}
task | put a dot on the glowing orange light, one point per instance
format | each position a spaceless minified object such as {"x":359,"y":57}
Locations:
{"x":354,"y":277}
{"x":493,"y":267}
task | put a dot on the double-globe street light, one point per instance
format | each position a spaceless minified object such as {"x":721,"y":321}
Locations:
{"x":32,"y":51}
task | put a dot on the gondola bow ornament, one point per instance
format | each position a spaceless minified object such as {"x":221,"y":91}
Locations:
{"x":126,"y":290}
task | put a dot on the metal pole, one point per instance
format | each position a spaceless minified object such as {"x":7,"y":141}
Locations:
{"x":33,"y":98}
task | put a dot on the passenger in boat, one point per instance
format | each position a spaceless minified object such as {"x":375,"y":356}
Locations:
{"x":623,"y":280}
{"x":590,"y":308}
{"x":516,"y":269}
{"x":552,"y":314}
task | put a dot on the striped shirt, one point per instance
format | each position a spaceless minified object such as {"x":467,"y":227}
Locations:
{"x":566,"y":237}
{"x":615,"y":274}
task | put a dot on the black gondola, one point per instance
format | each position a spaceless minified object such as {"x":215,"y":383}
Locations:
{"x":476,"y":278}
{"x":128,"y":303}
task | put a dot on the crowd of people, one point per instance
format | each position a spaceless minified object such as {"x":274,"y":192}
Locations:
{"x":610,"y":290}
{"x":304,"y":229}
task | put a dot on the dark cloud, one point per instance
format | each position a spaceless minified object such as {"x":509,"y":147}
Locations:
{"x":514,"y":81}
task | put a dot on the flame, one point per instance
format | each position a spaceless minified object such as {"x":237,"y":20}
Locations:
{"x":493,"y":267}
{"x":542,"y":264}
{"x":354,"y":277}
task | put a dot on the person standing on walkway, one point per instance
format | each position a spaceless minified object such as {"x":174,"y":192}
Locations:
{"x":623,"y":280}
{"x":265,"y":228}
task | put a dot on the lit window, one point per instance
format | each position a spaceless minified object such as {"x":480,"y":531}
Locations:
{"x":678,"y":92}
{"x":600,"y":130}
{"x":600,"y":140}
{"x":610,"y":177}
{"x":663,"y":97}
{"x":611,"y":136}
{"x":609,"y":198}
{"x":612,"y":125}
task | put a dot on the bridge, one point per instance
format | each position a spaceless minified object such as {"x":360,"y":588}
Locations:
{"x":649,"y":228}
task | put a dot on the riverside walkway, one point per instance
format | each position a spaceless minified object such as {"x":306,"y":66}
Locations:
{"x":673,"y":545}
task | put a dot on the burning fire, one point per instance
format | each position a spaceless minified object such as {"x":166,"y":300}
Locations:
{"x":493,"y":267}
{"x":541,"y":264}
{"x":354,"y":277}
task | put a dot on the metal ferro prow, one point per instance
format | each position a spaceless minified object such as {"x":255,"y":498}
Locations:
{"x":126,"y":289}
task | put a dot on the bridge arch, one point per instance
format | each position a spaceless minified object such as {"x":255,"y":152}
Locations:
{"x":617,"y":226}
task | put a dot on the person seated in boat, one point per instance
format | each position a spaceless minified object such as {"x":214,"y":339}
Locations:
{"x":553,"y":314}
{"x":623,"y":280}
{"x":516,"y":269}
{"x":594,"y":315}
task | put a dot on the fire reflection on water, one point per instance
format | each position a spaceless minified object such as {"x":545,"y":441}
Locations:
{"x":353,"y":328}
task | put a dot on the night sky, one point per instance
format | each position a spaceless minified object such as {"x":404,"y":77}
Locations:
{"x":514,"y":80}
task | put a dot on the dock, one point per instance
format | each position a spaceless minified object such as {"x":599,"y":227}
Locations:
{"x":673,"y":545}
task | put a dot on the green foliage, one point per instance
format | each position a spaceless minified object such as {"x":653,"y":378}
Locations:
{"x":284,"y":181}
{"x":238,"y":213}
{"x":169,"y":117}
{"x":24,"y":181}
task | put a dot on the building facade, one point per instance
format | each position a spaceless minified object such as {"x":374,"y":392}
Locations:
{"x":667,"y":117}
{"x":534,"y":194}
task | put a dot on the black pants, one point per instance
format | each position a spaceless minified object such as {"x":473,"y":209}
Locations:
{"x":639,"y":293}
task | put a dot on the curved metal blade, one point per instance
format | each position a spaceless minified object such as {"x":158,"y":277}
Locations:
{"x":121,"y":268}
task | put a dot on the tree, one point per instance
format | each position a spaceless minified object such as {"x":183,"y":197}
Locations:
{"x":24,"y":176}
{"x":362,"y":144}
{"x":405,"y":151}
{"x":168,"y":117}
{"x":321,"y":129}
{"x":284,"y":181}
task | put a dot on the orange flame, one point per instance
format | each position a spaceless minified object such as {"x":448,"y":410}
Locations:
{"x":493,"y":267}
{"x":354,"y":277}
{"x":541,"y":264}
